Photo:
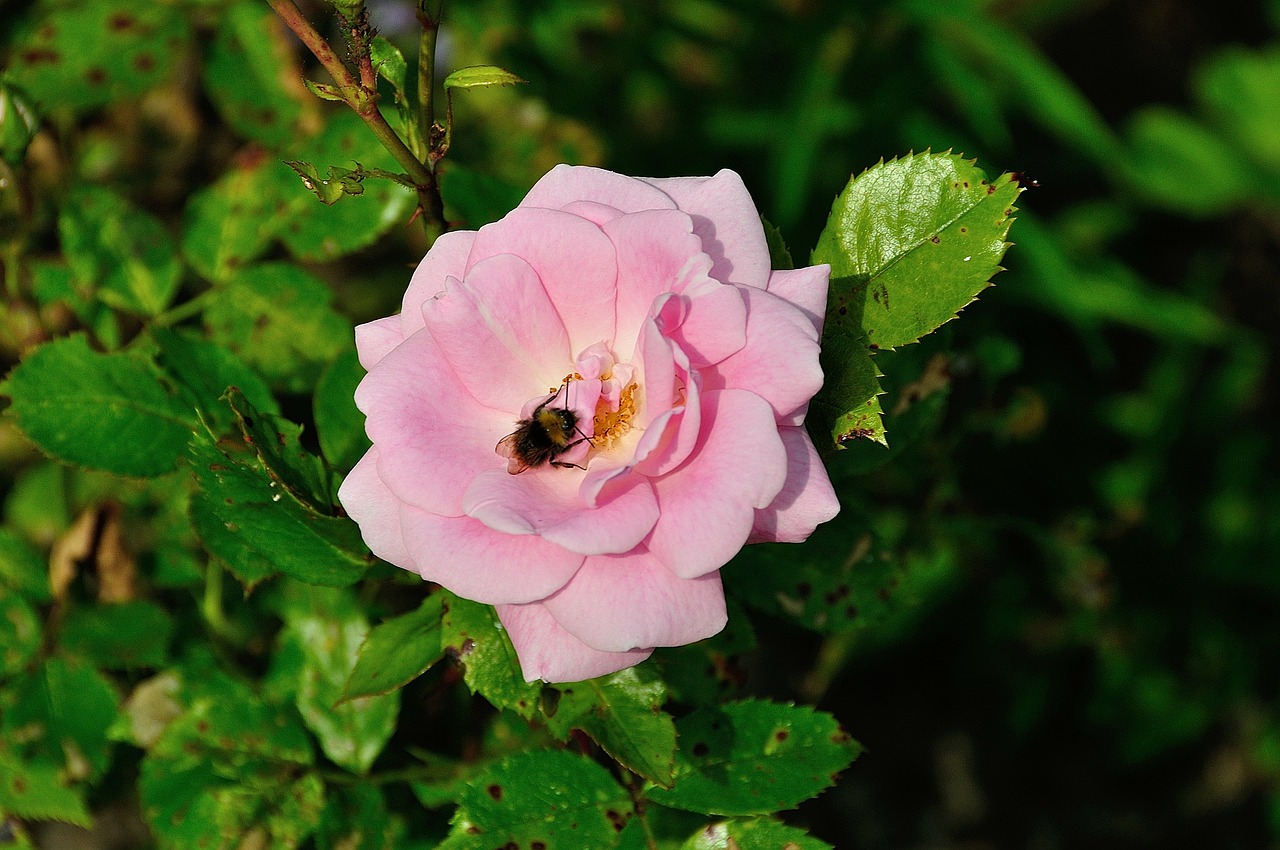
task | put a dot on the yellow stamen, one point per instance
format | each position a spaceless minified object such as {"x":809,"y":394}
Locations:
{"x":610,"y":424}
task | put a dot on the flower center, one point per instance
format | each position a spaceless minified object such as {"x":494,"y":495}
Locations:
{"x":611,"y":424}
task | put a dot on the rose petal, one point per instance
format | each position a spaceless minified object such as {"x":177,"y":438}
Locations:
{"x":546,"y":502}
{"x":500,"y":332}
{"x":550,"y":653}
{"x":708,"y":506}
{"x":617,"y":602}
{"x":779,"y":361}
{"x":376,"y":510}
{"x":572,"y":257}
{"x":432,"y":435}
{"x":565,"y":184}
{"x":598,"y":214}
{"x":374,"y":339}
{"x":806,"y":288}
{"x":726,"y":219}
{"x":652,"y":248}
{"x":806,"y":500}
{"x":476,"y":562}
{"x":448,"y":256}
{"x":715,"y":325}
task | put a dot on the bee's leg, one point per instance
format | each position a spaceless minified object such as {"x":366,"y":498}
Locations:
{"x":562,"y":465}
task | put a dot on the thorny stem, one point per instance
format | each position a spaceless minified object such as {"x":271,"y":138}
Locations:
{"x":363,"y":100}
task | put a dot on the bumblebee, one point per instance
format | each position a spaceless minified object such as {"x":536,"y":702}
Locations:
{"x":543,"y":437}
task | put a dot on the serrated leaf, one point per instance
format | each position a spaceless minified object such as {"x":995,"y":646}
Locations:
{"x":471,"y":633}
{"x":327,"y":629}
{"x":755,"y":757}
{"x":60,"y":716}
{"x":204,"y":371}
{"x":397,"y":651}
{"x":912,"y":241}
{"x":19,"y":633}
{"x":251,"y":73}
{"x":339,"y":423}
{"x":227,"y":770}
{"x":278,"y":319}
{"x":120,"y":635}
{"x":847,"y":408}
{"x":246,"y":519}
{"x":341,"y":181}
{"x":389,"y":64}
{"x":552,"y":797}
{"x":278,"y":445}
{"x":106,"y":411}
{"x":753,"y":834}
{"x":623,"y":713}
{"x":122,"y":253}
{"x":84,"y":55}
{"x":35,"y":792}
{"x":480,"y":76}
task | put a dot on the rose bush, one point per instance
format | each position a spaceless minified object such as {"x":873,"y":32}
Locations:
{"x":648,"y":308}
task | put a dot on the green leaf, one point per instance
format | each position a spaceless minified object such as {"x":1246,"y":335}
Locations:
{"x":355,"y":818}
{"x":397,"y":651}
{"x":18,"y":124}
{"x":35,"y":792}
{"x":83,"y":55}
{"x":341,"y":182}
{"x":22,"y":568}
{"x":53,"y":283}
{"x":755,"y":757}
{"x":252,"y":75}
{"x":779,"y":254}
{"x":389,"y":62}
{"x":753,"y":834}
{"x":846,"y":410}
{"x":1180,"y":164}
{"x":19,"y":634}
{"x":324,"y":91}
{"x":204,"y":371}
{"x":231,"y":223}
{"x":471,"y":633}
{"x":1237,"y":90}
{"x":106,"y":411}
{"x":231,"y":771}
{"x":60,"y":716}
{"x":327,"y":630}
{"x":119,"y":636}
{"x":278,"y":445}
{"x":552,"y":797}
{"x":480,"y":76}
{"x":122,"y":253}
{"x":278,"y":319}
{"x":623,"y":713}
{"x":339,"y":423}
{"x":257,"y":527}
{"x":911,"y":242}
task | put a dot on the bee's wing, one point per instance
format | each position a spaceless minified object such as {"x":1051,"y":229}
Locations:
{"x":507,"y":447}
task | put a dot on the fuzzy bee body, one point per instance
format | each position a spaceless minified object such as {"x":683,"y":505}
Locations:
{"x":541,"y":438}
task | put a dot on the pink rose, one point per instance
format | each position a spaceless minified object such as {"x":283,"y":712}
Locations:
{"x":669,"y":370}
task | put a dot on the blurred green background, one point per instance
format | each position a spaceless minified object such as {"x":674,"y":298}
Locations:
{"x":1083,"y":644}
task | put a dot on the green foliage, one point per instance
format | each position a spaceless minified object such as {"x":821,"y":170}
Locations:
{"x":397,"y":651}
{"x":471,"y":633}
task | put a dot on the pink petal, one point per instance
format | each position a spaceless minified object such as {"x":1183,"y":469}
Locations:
{"x":432,"y":435}
{"x":715,"y":325}
{"x":368,"y":501}
{"x":546,"y":502}
{"x":709,"y":505}
{"x":725,"y":218}
{"x":476,"y":562}
{"x":596,"y":213}
{"x":652,"y":248}
{"x":565,"y":184}
{"x":806,"y":288}
{"x":550,"y":653}
{"x":500,"y":332}
{"x":572,"y":257}
{"x":806,"y":500}
{"x":779,"y":361}
{"x":618,"y":602}
{"x":374,"y":339}
{"x":448,"y":256}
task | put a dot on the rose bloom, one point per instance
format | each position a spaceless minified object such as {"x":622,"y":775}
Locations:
{"x":647,"y":308}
